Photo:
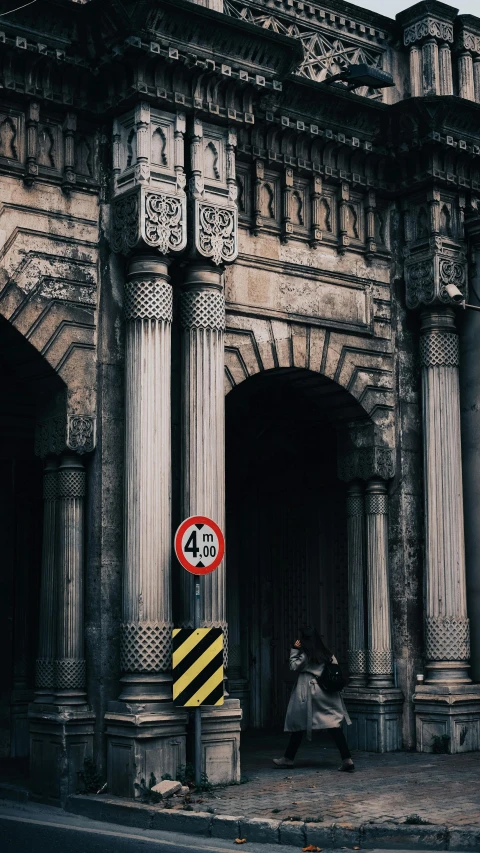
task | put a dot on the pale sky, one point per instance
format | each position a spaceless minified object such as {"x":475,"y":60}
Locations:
{"x":390,"y":8}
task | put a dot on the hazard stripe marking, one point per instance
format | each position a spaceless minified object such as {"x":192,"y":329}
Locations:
{"x":197,"y":666}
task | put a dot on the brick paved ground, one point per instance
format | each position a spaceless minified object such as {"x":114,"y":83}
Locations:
{"x":441,"y":789}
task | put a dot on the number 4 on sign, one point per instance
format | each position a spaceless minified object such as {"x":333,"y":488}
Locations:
{"x":199,"y":545}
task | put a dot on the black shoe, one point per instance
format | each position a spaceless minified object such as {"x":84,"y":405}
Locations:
{"x":347,"y":766}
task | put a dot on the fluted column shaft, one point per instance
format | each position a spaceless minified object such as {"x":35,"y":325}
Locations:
{"x":430,"y":67}
{"x":446,"y":623}
{"x":147,"y":608}
{"x":476,"y":79}
{"x":202,"y":316}
{"x":379,"y":656}
{"x":416,"y":75}
{"x":357,"y":657}
{"x":465,"y":76}
{"x":70,"y":662}
{"x":445,"y":69}
{"x":47,"y":633}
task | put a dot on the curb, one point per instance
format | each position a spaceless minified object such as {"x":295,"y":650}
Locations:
{"x":298,"y":834}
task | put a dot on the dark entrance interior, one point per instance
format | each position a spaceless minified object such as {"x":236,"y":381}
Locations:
{"x":286,"y":529}
{"x":27,"y":382}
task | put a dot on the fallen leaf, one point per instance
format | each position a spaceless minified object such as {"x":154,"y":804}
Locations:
{"x":356,"y":848}
{"x":240,"y":840}
{"x":311,"y":849}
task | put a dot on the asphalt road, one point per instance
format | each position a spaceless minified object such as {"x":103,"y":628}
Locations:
{"x":32,"y":828}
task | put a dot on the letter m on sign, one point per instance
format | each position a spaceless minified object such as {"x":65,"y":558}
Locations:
{"x":197,"y":667}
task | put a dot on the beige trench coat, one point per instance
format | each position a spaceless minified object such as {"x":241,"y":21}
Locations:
{"x":310,"y":707}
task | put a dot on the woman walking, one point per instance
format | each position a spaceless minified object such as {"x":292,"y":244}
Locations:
{"x":310,"y":707}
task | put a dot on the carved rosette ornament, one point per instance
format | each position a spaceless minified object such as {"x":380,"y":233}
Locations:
{"x":426,"y":279}
{"x":216,"y":231}
{"x":149,"y":217}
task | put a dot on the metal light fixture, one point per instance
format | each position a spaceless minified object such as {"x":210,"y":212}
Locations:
{"x":362,"y":75}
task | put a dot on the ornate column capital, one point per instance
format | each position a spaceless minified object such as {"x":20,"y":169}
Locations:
{"x":62,"y":433}
{"x":149,"y":209}
{"x":428,"y":273}
{"x":213,"y":192}
{"x":148,"y":292}
{"x":366,"y":462}
{"x":428,"y":26}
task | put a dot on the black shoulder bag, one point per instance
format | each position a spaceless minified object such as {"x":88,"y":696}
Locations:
{"x":332,"y":679}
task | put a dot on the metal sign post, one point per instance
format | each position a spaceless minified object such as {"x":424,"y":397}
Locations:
{"x":198,"y":711}
{"x":200,"y":547}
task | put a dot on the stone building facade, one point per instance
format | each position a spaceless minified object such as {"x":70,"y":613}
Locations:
{"x":232,"y":286}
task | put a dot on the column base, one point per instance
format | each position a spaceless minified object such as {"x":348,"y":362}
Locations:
{"x":143,"y":739}
{"x":376,"y":715}
{"x":447,"y":717}
{"x":220,"y":742}
{"x":61,"y":739}
{"x":239,"y":688}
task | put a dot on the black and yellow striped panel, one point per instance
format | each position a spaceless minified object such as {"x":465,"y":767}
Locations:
{"x":197,"y":666}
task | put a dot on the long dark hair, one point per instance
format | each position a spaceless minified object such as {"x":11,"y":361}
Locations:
{"x":313,"y":645}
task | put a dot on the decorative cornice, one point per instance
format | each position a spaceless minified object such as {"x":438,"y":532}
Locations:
{"x":428,"y":27}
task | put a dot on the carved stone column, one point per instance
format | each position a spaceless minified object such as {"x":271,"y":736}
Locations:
{"x":143,"y":727}
{"x":447,"y":705}
{"x":147,"y":622}
{"x":357,"y":658}
{"x":44,"y":667}
{"x":446,"y":622}
{"x":465,"y":76}
{"x":445,"y":69}
{"x":379,"y":655}
{"x":70,"y":667}
{"x":416,"y":84}
{"x":430,"y":67}
{"x":202,"y":317}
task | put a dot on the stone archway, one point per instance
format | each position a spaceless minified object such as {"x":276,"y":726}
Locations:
{"x":286,"y":528}
{"x":27,"y":385}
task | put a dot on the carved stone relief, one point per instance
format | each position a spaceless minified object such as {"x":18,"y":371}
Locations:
{"x":426,"y":277}
{"x":216,"y":231}
{"x":428,"y":27}
{"x":65,"y":432}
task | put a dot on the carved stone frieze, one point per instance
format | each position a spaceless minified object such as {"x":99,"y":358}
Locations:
{"x":469,"y":41}
{"x":426,"y":278}
{"x":365,"y":463}
{"x":216,"y":231}
{"x":428,"y":27}
{"x":149,"y":217}
{"x":65,"y":432}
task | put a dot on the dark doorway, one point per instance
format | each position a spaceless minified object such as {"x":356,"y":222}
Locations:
{"x":286,"y":527}
{"x":26,"y":384}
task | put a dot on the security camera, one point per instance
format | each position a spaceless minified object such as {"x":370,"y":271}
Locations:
{"x":454,"y":293}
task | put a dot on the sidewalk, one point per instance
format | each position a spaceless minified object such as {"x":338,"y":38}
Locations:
{"x":398,"y":800}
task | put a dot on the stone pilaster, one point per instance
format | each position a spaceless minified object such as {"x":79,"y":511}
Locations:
{"x":446,"y":622}
{"x":476,"y":78}
{"x":430,"y":67}
{"x":357,"y":658}
{"x":202,"y":317}
{"x":70,"y":666}
{"x":379,"y":655}
{"x":44,"y":666}
{"x":147,"y":621}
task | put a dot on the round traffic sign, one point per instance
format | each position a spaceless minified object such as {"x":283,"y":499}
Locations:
{"x":199,"y":545}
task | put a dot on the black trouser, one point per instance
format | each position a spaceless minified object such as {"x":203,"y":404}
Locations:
{"x":336,"y":735}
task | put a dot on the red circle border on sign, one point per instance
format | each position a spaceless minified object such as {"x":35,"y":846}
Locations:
{"x":199,"y":519}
